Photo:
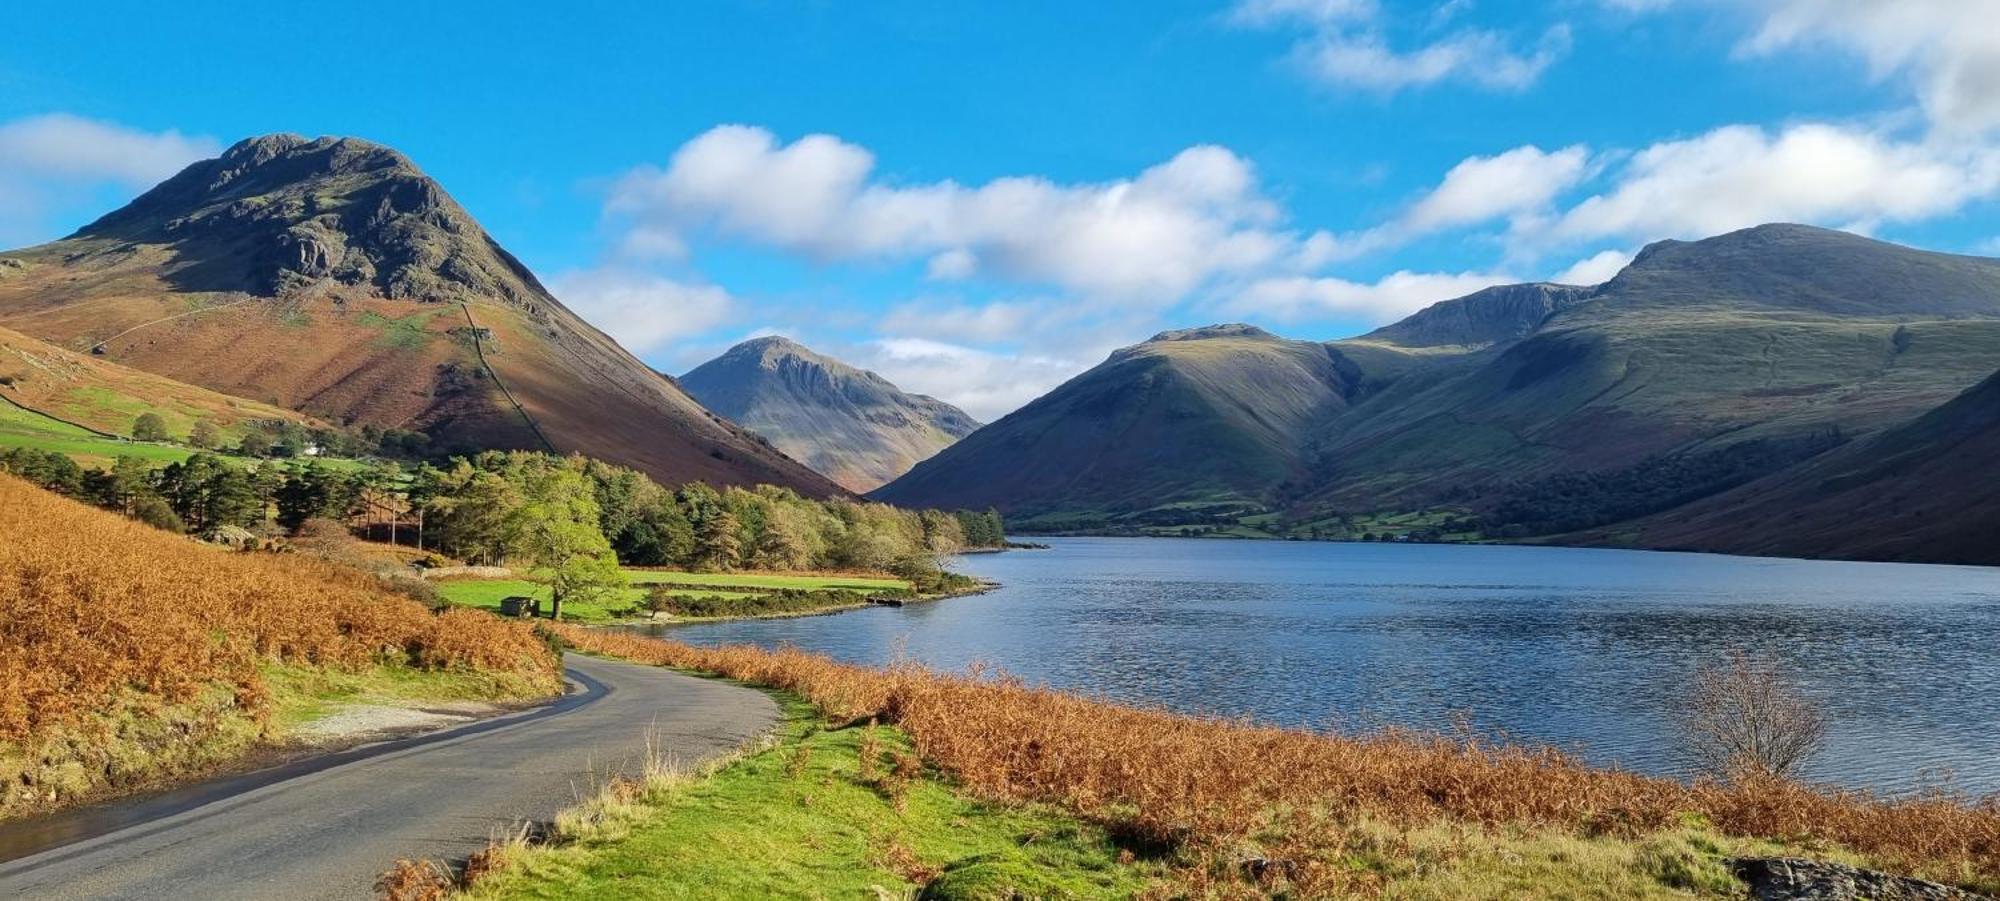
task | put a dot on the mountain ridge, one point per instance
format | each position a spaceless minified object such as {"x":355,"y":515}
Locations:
{"x":847,"y":423}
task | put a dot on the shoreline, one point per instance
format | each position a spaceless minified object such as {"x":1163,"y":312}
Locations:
{"x":985,"y":586}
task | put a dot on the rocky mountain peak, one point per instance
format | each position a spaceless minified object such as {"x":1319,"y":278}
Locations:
{"x":281,"y":213}
{"x":1224,"y":330}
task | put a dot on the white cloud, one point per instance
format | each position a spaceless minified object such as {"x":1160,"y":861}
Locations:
{"x":1391,"y":298}
{"x":1738,"y":176}
{"x":1595,"y":269}
{"x":1158,"y":235}
{"x":644,"y":312}
{"x":1949,"y":49}
{"x":1481,"y":188}
{"x":60,"y":163}
{"x":62,"y":146}
{"x":1520,"y":184}
{"x":987,"y":384}
{"x":1484,"y":58}
{"x":1346,"y":44}
{"x":992,"y":322}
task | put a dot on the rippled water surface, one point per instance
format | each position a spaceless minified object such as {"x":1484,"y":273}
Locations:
{"x":1585,"y":649}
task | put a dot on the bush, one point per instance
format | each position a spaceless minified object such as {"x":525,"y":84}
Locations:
{"x":1749,"y":721}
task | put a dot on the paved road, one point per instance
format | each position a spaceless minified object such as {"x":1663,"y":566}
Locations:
{"x":327,"y":829}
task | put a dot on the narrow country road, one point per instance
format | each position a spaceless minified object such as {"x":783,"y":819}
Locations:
{"x":331,"y":827}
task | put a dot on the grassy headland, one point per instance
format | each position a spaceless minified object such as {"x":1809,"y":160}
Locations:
{"x":1221,"y":808}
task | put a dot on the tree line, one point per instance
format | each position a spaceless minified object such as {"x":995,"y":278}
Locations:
{"x":500,"y":506}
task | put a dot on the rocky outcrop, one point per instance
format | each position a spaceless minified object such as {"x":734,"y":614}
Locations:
{"x":1797,"y":879}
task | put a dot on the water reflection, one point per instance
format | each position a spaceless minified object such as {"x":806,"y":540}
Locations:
{"x":1585,"y":649}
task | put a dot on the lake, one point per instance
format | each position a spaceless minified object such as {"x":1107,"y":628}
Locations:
{"x":1584,"y":649}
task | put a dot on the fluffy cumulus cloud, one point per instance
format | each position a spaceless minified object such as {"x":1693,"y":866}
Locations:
{"x":1519,"y":185}
{"x":1347,"y":44}
{"x":1739,"y":176}
{"x":643,"y":311}
{"x":1382,"y":301}
{"x":1159,"y":234}
{"x":60,"y":163}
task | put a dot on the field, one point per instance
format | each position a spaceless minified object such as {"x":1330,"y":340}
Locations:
{"x":1235,"y":809}
{"x":807,"y":817}
{"x":132,"y":655}
{"x":104,"y":396}
{"x":486,"y":594}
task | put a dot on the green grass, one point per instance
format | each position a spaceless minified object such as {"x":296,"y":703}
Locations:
{"x":406,"y":332}
{"x":799,"y":819}
{"x":486,"y":594}
{"x":21,"y":428}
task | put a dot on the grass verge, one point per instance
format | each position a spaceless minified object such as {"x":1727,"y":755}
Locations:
{"x":820,"y":812}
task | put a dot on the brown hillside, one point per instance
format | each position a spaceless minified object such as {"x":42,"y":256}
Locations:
{"x":91,"y":391}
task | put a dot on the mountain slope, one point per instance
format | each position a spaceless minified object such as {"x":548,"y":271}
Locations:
{"x":1203,"y":416}
{"x":333,"y":277}
{"x":106,"y":397}
{"x":1916,"y":492}
{"x":848,"y":424}
{"x":1777,"y":332}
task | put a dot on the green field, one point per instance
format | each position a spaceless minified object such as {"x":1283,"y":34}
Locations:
{"x":21,"y":428}
{"x":486,"y":594}
{"x":24,"y":428}
{"x":805,"y":819}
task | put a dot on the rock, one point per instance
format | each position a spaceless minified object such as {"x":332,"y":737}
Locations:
{"x":1797,"y":879}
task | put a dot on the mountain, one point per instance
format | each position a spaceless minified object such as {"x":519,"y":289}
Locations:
{"x":1530,"y":410}
{"x":1215,"y":415}
{"x":1916,"y":492}
{"x":335,"y":278}
{"x":849,"y":424}
{"x":1777,"y":334}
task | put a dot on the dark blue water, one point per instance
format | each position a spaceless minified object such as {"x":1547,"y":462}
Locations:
{"x":1584,"y":649}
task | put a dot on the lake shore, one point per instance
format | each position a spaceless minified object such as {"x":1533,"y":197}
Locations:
{"x":1145,"y":802}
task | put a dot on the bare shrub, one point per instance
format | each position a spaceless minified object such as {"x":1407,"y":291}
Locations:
{"x":1746,"y":720}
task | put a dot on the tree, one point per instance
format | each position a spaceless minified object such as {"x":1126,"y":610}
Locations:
{"x":149,"y":427}
{"x":1746,"y":720}
{"x":152,"y":510}
{"x":718,"y":541}
{"x":204,"y":435}
{"x":254,"y":444}
{"x":785,"y":542}
{"x":314,"y":493}
{"x":557,"y":528}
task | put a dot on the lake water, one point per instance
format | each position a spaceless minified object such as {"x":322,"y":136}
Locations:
{"x":1584,"y":649}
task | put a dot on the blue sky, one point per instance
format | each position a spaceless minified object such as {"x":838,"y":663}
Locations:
{"x":979,"y":201}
